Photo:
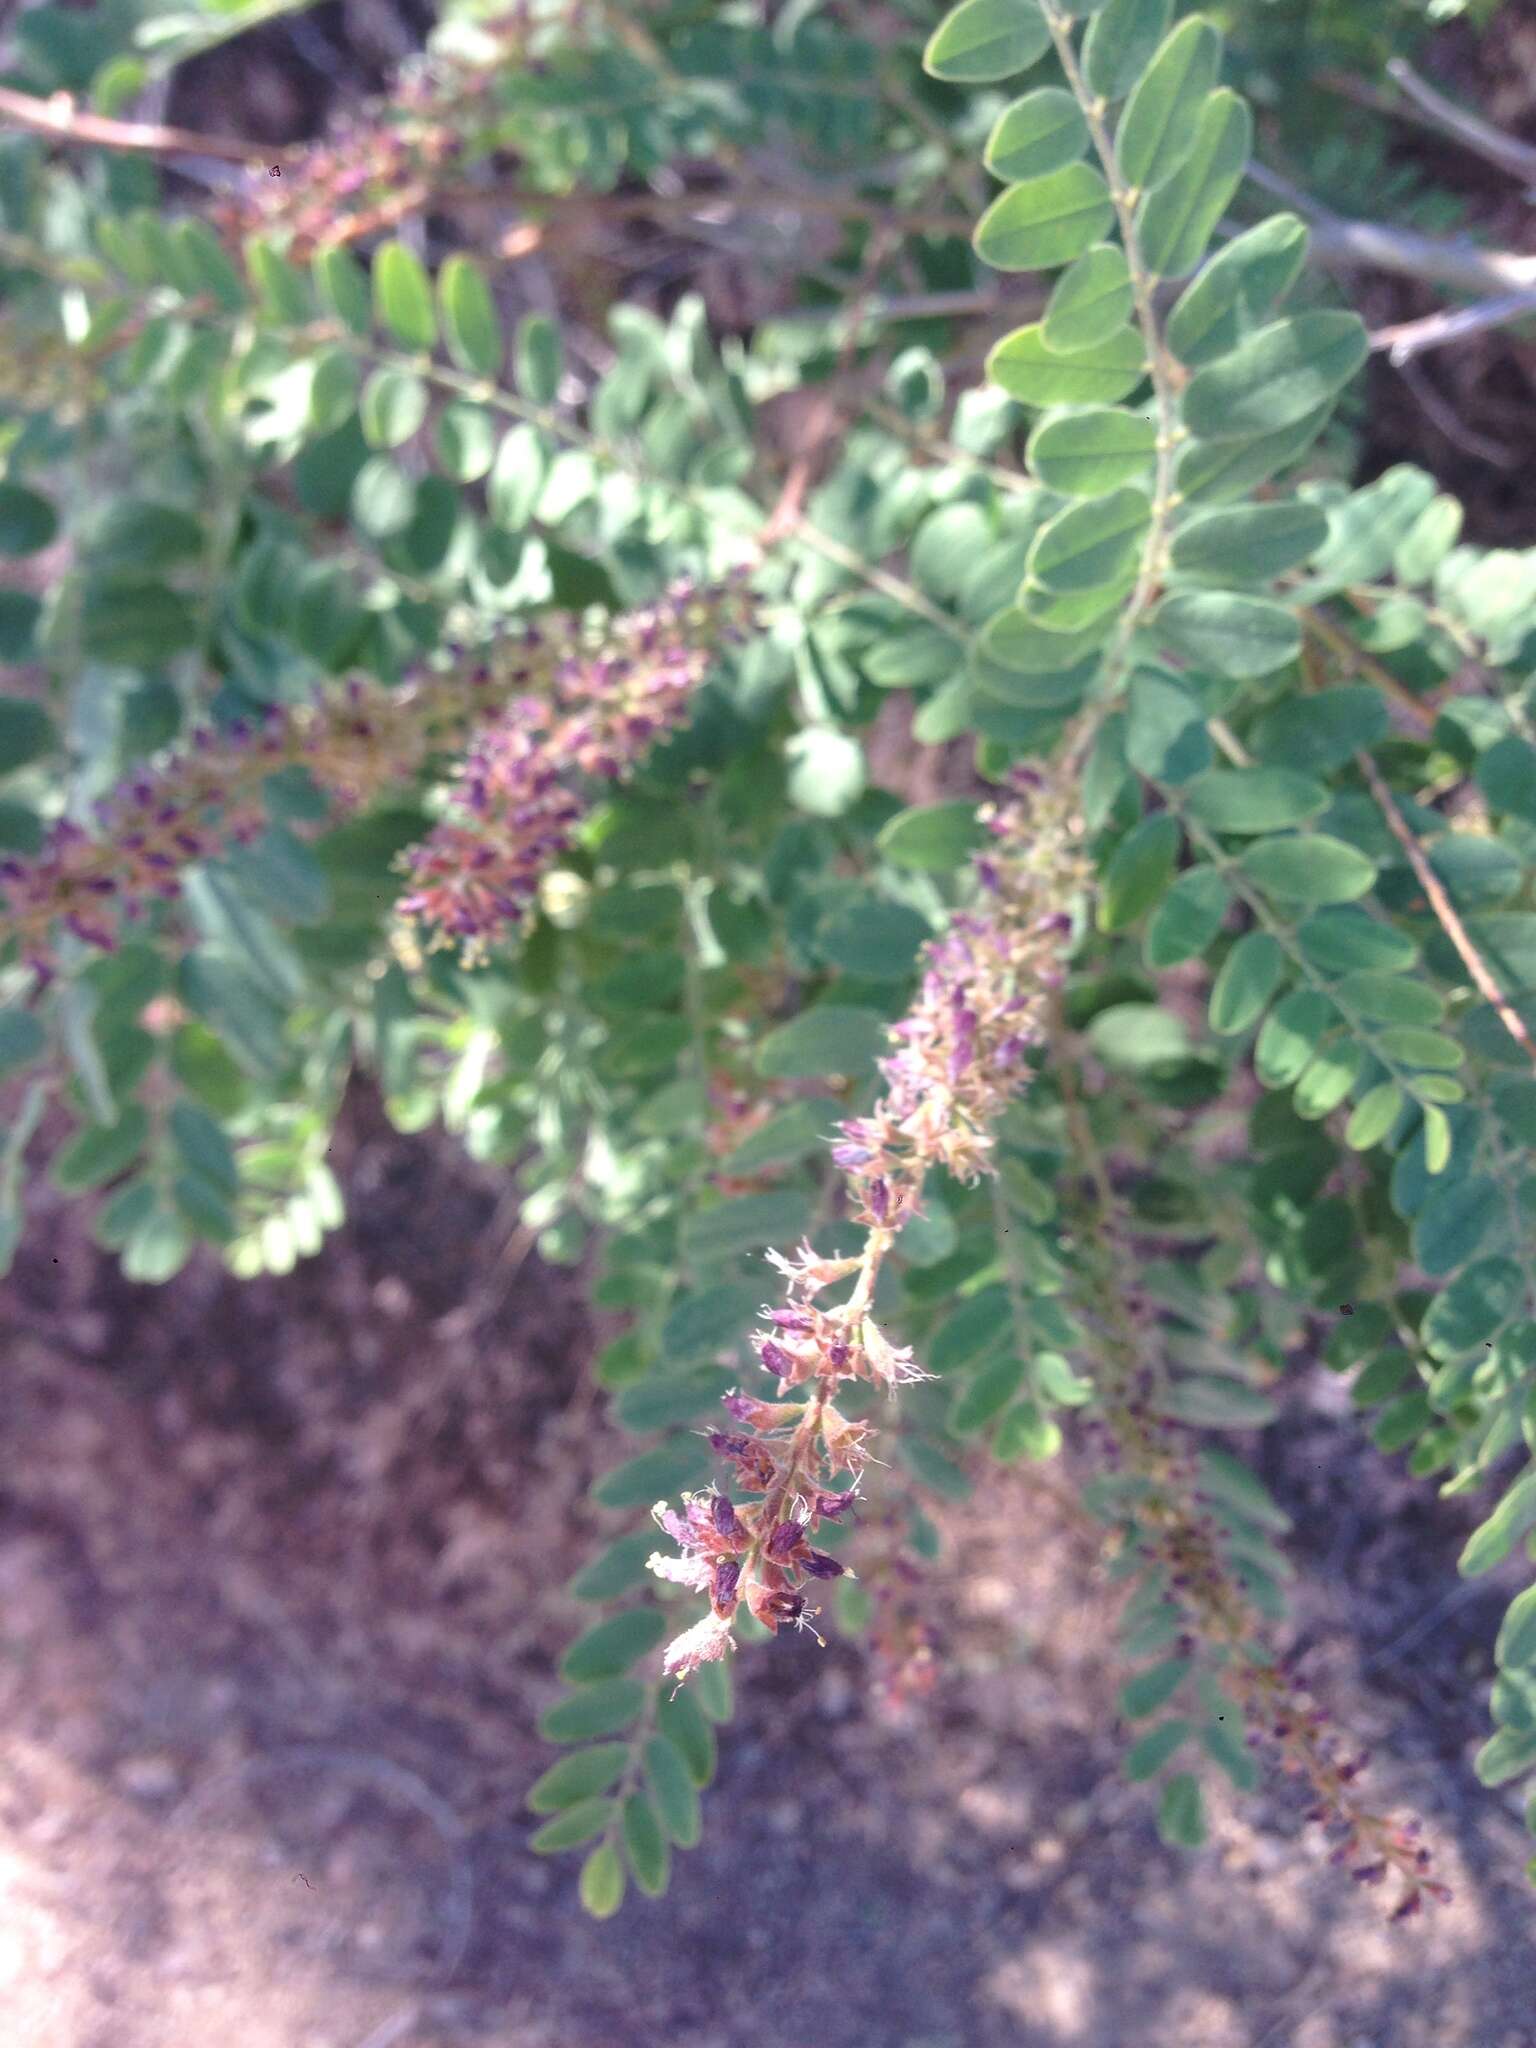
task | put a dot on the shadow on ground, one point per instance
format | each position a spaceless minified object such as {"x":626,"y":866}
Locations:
{"x":280,"y":1597}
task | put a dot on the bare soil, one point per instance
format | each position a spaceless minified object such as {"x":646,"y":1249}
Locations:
{"x":281,"y":1571}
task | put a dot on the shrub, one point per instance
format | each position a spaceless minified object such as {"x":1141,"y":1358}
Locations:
{"x":507,"y":732}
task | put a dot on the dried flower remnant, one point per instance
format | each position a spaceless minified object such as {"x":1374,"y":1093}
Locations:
{"x":957,"y":1059}
{"x":355,"y":743}
{"x":521,"y":792}
{"x":1171,"y":1523}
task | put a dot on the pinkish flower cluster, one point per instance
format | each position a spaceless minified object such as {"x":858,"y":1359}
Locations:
{"x":960,"y":1050}
{"x":957,"y":1060}
{"x":380,"y":166}
{"x":520,"y":796}
{"x":355,"y":743}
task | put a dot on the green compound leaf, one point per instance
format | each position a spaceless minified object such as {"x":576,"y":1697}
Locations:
{"x":1091,"y":545}
{"x":1023,"y":366}
{"x":1516,"y":1646}
{"x":1036,"y":135}
{"x":1227,"y":634}
{"x":1165,"y":732}
{"x":1228,"y":1750}
{"x":341,"y":285}
{"x":1473,"y":1308}
{"x":602,"y":1882}
{"x":827,"y":770}
{"x":1247,"y":543}
{"x":1492,"y":1541}
{"x":200,"y":265}
{"x":608,"y":1649}
{"x":873,"y":938}
{"x":600,"y":1709}
{"x":22,"y":1038}
{"x":832,"y":1038}
{"x":471,"y":324}
{"x":1454,"y":1222}
{"x":937,"y":838}
{"x":1047,"y":222}
{"x":1210,"y":1402}
{"x":1506,"y":774}
{"x":1187,"y":919}
{"x":1509,"y":1754}
{"x":1373,"y":1116}
{"x":27,"y":521}
{"x":1219,"y":471}
{"x":1138,"y":872}
{"x":580,"y":1775}
{"x":1181,"y":1816}
{"x":100,"y":1152}
{"x":650,"y":1855}
{"x":1235,"y":289}
{"x":1121,"y":42}
{"x":1327,"y":1080}
{"x":1175,"y":223}
{"x":700,"y":1325}
{"x":619,"y":1568}
{"x":402,"y":296}
{"x":929,"y":1466}
{"x":986,"y":1394}
{"x":464,"y":440}
{"x":1088,"y":453}
{"x":1340,"y":941}
{"x":681,"y":1719}
{"x":1148,"y":1756}
{"x":1437,"y":1139}
{"x":570,"y":1828}
{"x":26,"y":734}
{"x":1309,"y":868}
{"x":1275,"y":377}
{"x":1250,"y":801}
{"x":1156,"y":133}
{"x":1248,"y":979}
{"x":975,"y":1328}
{"x":1153,"y":1688}
{"x":1091,"y":301}
{"x":286,"y":295}
{"x":665,"y":1470}
{"x":981,"y":41}
{"x":392,"y":408}
{"x":673,"y":1787}
{"x":1413,"y":1047}
{"x":538,"y":359}
{"x":1015,"y":641}
{"x":712,"y":1688}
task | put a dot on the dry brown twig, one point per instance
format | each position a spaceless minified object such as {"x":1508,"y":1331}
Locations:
{"x":61,"y":119}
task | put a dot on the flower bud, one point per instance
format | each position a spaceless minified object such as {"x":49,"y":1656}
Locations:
{"x":820,"y":1566}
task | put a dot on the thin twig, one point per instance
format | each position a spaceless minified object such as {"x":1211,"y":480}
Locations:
{"x":1445,"y":911}
{"x":1409,"y":338}
{"x":679,"y":205}
{"x":63,"y":121}
{"x":1455,"y":430}
{"x":1351,"y":244}
{"x":1423,"y":715}
{"x":1505,"y":152}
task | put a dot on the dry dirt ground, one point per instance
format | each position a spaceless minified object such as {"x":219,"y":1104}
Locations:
{"x":280,"y":1598}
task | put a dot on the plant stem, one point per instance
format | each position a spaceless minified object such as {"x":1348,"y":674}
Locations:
{"x":1165,"y":375}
